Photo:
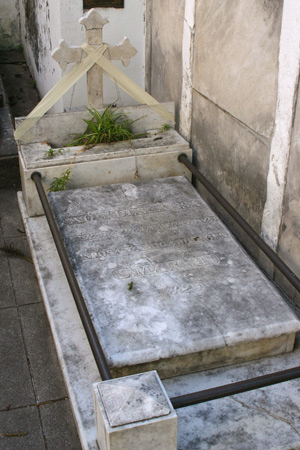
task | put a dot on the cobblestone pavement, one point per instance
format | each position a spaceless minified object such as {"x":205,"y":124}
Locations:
{"x":35,"y":412}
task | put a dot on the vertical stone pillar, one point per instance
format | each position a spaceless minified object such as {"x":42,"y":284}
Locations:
{"x":134,"y":413}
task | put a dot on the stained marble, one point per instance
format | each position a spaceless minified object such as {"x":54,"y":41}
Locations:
{"x":166,"y":284}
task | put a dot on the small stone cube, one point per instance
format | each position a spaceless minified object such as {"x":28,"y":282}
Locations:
{"x":134,"y":413}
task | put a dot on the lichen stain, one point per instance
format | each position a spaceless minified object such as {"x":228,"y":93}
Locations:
{"x":37,"y":28}
{"x":32,"y":29}
{"x":273,"y":13}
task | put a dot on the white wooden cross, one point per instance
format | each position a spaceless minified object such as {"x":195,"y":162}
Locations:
{"x":64,"y":55}
{"x":92,"y":57}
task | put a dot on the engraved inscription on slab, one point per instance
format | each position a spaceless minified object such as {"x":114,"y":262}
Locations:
{"x":161,"y":274}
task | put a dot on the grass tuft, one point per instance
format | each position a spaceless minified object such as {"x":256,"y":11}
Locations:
{"x":60,"y":183}
{"x":110,"y":126}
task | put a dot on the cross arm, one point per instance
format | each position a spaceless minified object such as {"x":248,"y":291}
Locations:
{"x":123,"y":51}
{"x":65,"y":55}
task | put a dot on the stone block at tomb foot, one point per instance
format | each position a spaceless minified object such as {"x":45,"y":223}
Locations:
{"x":167,"y":286}
{"x":134,"y":413}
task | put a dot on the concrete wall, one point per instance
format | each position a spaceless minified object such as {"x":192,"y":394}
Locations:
{"x":166,"y":50}
{"x":289,"y":241}
{"x":234,"y":97}
{"x":232,"y":67}
{"x":45,"y":22}
{"x":10,"y":37}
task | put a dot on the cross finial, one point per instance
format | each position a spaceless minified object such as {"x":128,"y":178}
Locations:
{"x":92,"y":19}
{"x":94,"y":23}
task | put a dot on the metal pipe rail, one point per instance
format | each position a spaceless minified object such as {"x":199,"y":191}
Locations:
{"x":235,"y":388}
{"x":196,"y":397}
{"x":79,"y":300}
{"x":276,"y":260}
{"x":253,"y":383}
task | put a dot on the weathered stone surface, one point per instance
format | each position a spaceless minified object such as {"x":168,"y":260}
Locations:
{"x":266,"y":418}
{"x":236,"y":58}
{"x":73,"y":349}
{"x":154,"y":156}
{"x":166,"y":48}
{"x":197,"y":427}
{"x":289,"y":243}
{"x":233,"y":159}
{"x":58,"y":129}
{"x":165,"y":283}
{"x":133,"y":399}
{"x":9,"y":25}
{"x":133,"y":413}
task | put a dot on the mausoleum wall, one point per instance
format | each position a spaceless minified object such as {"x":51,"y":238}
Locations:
{"x":166,"y":51}
{"x":45,"y":23}
{"x":232,"y":68}
{"x":9,"y":25}
{"x":289,"y":242}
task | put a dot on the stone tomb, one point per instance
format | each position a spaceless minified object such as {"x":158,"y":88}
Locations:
{"x":167,"y":286}
{"x":152,"y":156}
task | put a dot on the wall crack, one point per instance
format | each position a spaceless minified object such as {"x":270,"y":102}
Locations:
{"x":261,"y":137}
{"x":269,"y":413}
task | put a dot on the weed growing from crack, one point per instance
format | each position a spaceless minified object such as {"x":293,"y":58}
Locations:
{"x":52,"y":151}
{"x":60,"y":183}
{"x":110,"y":126}
{"x":165,"y":127}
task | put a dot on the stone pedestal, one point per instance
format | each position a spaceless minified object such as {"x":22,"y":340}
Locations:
{"x":134,"y":413}
{"x":153,"y":156}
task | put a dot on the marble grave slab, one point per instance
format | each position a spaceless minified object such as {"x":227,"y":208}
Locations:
{"x":167,"y":286}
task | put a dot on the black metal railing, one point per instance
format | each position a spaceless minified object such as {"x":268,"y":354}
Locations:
{"x":235,"y":388}
{"x":196,"y":397}
{"x":276,"y":260}
{"x":253,"y":383}
{"x":72,"y":280}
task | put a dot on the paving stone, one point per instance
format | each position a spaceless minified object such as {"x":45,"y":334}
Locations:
{"x":23,"y":274}
{"x":262,"y":419}
{"x":25,"y":424}
{"x":10,"y":217}
{"x":7,"y":297}
{"x":59,"y":426}
{"x":10,"y":173}
{"x":15,"y":381}
{"x":8,"y":146}
{"x":45,"y":369}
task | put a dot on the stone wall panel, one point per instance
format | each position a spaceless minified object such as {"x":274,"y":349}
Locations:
{"x":236,"y":58}
{"x":234,"y":159}
{"x":166,"y":49}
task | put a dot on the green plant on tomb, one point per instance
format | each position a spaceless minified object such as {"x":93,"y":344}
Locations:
{"x":165,"y":127}
{"x":110,"y":126}
{"x":60,"y":183}
{"x":52,"y":151}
